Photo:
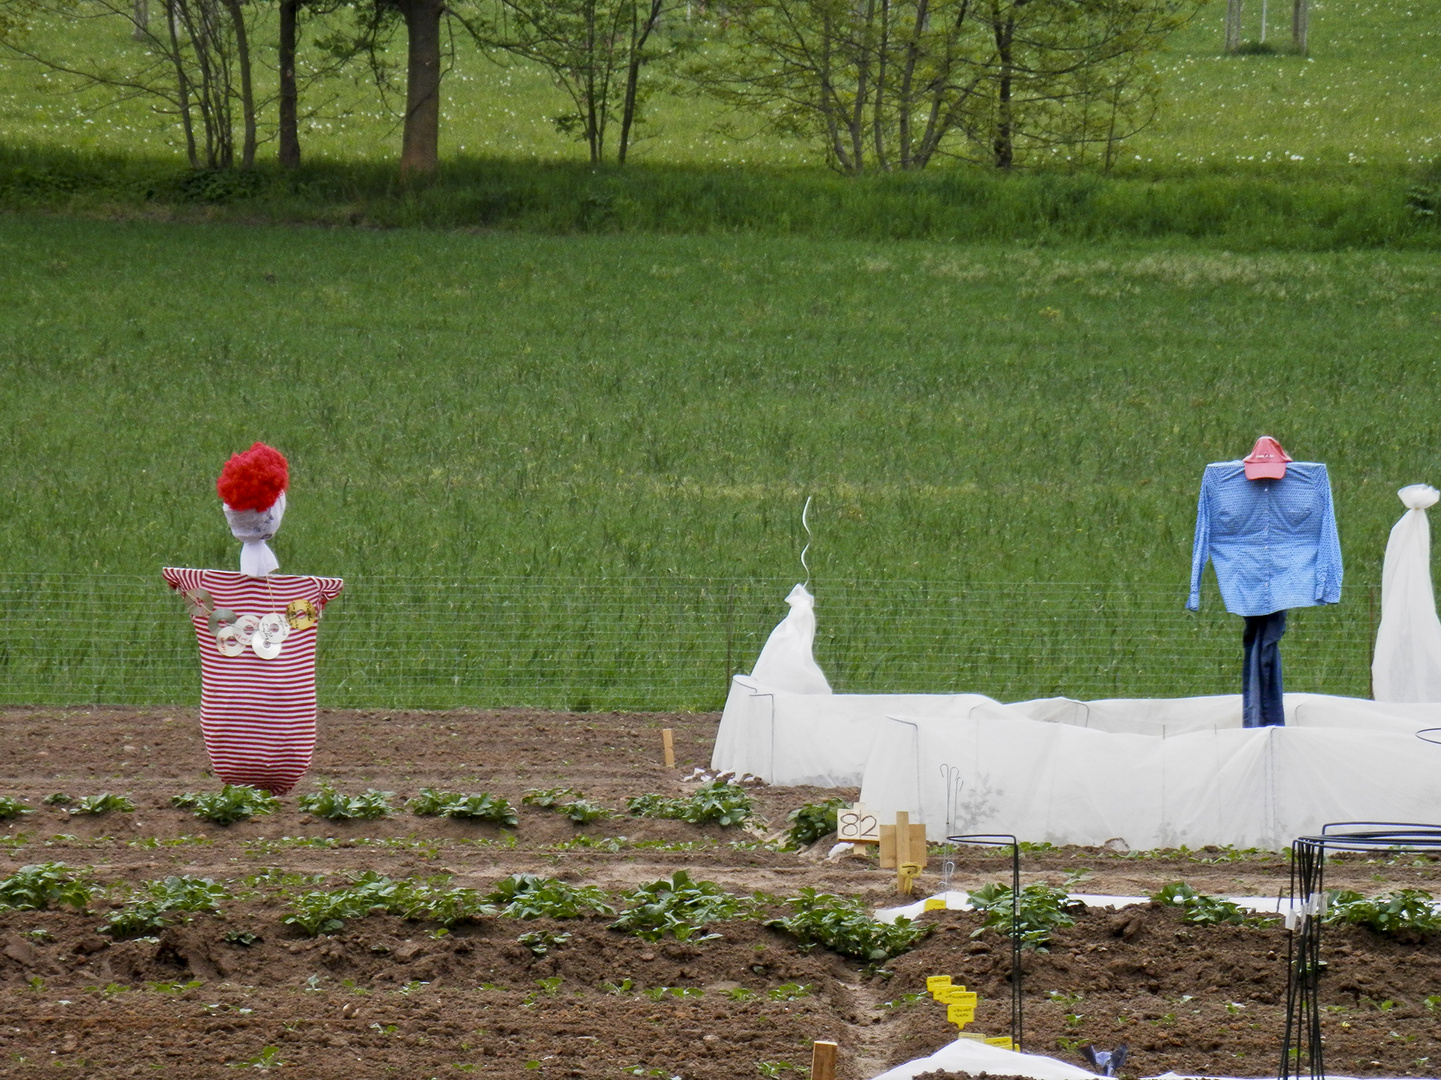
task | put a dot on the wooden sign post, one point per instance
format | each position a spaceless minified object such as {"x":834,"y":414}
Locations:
{"x":667,"y":742}
{"x":823,"y":1060}
{"x":903,"y":849}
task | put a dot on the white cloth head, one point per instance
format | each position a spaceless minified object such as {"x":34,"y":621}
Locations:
{"x":1419,"y":496}
{"x":254,"y":527}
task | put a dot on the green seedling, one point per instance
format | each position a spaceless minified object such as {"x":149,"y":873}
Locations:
{"x":845,"y":926}
{"x":232,"y":803}
{"x":715,"y":803}
{"x":269,"y":1058}
{"x":104,"y":803}
{"x":529,"y":896}
{"x":1200,"y":909}
{"x":740,"y":993}
{"x":477,"y":807}
{"x":45,"y":885}
{"x":541,"y":942}
{"x":12,"y":808}
{"x":680,"y":907}
{"x":155,"y":900}
{"x":57,"y":799}
{"x":789,"y":991}
{"x":812,"y":821}
{"x":1402,"y":912}
{"x":1042,"y":910}
{"x":625,"y":986}
{"x":331,"y":804}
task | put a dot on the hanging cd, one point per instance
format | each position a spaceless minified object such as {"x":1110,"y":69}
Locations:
{"x":227,"y":641}
{"x":247,"y":626}
{"x":273,"y":627}
{"x":222,"y":616}
{"x":264,"y":647}
{"x":198,"y":602}
{"x":301,"y":614}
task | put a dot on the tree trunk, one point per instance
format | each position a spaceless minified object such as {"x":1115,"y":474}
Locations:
{"x":420,"y":142}
{"x":632,"y":76}
{"x":141,"y":19}
{"x":289,"y":134}
{"x":1003,"y":146}
{"x":182,"y":83}
{"x":247,"y":91}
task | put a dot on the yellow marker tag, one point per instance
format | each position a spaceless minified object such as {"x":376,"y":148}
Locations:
{"x":936,"y":983}
{"x":1003,"y":1041}
{"x":935,"y":903}
{"x":960,"y":1014}
{"x":958,"y":995}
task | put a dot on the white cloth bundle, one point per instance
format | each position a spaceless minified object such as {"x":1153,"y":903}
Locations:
{"x":254,"y":528}
{"x":1407,"y":665}
{"x":787,"y":661}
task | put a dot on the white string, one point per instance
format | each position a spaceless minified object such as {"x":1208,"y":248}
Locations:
{"x":804,"y":565}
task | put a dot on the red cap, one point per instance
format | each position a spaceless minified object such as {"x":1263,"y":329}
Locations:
{"x":1266,"y":461}
{"x":254,"y":480}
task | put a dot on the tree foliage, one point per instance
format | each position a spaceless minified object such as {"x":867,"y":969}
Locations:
{"x":891,"y":84}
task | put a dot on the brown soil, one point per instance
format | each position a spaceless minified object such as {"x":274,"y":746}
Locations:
{"x":384,"y":997}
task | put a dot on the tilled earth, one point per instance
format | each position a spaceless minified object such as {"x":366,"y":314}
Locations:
{"x":385,"y":997}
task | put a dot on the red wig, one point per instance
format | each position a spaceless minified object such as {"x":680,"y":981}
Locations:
{"x":254,"y":480}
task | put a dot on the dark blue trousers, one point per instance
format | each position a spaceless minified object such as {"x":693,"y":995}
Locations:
{"x":1261,"y":670}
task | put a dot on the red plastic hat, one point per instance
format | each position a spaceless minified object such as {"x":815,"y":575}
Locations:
{"x":255,"y":479}
{"x":1267,"y":461}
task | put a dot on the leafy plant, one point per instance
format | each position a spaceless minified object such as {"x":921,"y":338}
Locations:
{"x":845,"y":926}
{"x":529,"y":896}
{"x":11,"y":808}
{"x":104,"y":803}
{"x":789,"y":991}
{"x":269,"y":1058}
{"x":479,"y":807}
{"x":156,"y":899}
{"x":1200,"y":908}
{"x":1042,"y":909}
{"x":680,"y":907}
{"x":1404,"y":911}
{"x":715,"y":803}
{"x":321,"y":912}
{"x":232,"y":803}
{"x":579,"y":810}
{"x":812,"y":821}
{"x":331,"y":804}
{"x":57,"y":799}
{"x":44,"y":885}
{"x":540,"y":942}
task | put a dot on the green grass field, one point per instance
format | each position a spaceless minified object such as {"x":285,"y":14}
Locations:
{"x":652,"y":411}
{"x":1363,"y":100}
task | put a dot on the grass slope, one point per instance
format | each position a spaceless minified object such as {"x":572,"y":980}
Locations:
{"x":608,"y":409}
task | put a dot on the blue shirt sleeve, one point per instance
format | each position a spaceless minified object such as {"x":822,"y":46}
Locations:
{"x":1201,"y":549}
{"x":1328,"y":552}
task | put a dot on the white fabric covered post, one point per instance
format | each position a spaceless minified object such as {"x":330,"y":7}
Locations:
{"x":788,"y":662}
{"x":1407,"y":664}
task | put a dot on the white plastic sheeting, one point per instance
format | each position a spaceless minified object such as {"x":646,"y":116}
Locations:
{"x":787,"y":662}
{"x":978,"y":1059}
{"x":1407,"y":665}
{"x":1159,"y":780}
{"x":790,"y":738}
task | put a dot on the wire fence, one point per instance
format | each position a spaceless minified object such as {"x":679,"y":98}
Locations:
{"x":671,"y":643}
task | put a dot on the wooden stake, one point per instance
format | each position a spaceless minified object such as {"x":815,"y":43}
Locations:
{"x":823,"y":1060}
{"x":667,"y":740}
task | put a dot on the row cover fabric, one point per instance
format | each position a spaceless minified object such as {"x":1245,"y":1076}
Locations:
{"x":1152,"y":772}
{"x":1337,"y":759}
{"x":1407,"y":664}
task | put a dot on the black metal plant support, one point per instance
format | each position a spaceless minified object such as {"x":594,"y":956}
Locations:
{"x":1006,"y":840}
{"x":1303,"y":1037}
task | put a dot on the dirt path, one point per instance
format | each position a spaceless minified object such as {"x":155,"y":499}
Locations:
{"x":384,"y":997}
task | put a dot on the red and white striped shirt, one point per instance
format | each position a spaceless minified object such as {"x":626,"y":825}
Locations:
{"x":258,"y":716}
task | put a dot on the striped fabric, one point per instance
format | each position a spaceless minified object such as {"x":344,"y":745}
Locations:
{"x":258,"y":716}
